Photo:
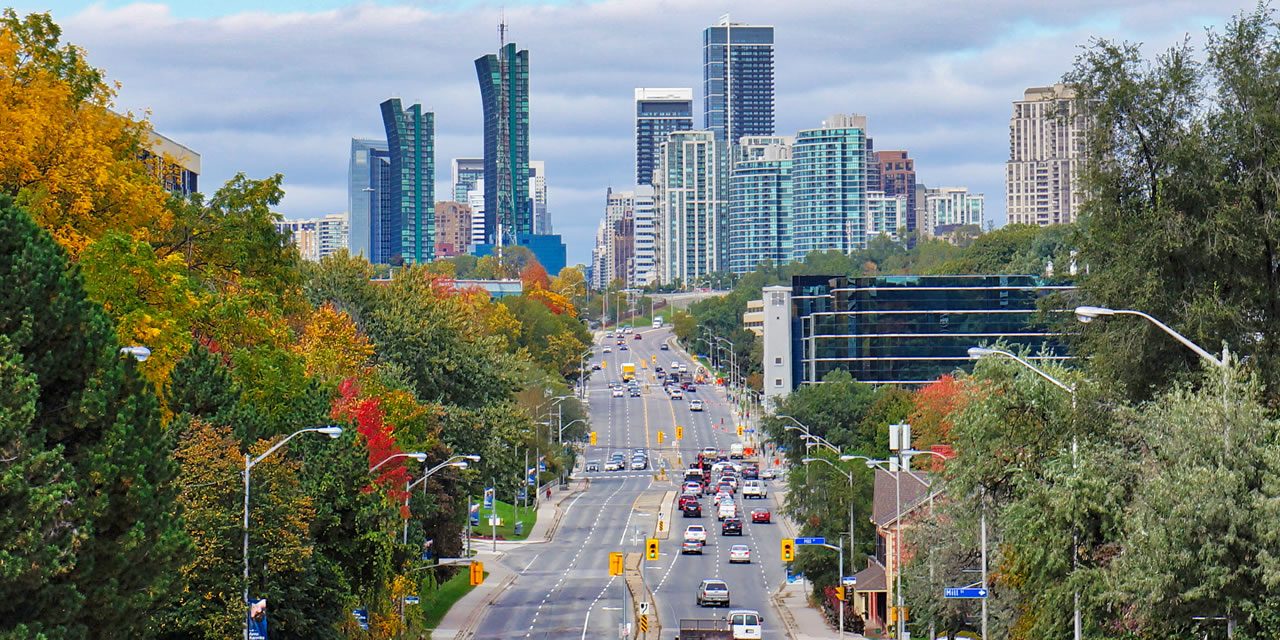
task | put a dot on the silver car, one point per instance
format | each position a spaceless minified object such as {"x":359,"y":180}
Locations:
{"x":713,"y":593}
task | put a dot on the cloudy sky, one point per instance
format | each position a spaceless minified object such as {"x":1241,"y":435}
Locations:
{"x":282,"y":86}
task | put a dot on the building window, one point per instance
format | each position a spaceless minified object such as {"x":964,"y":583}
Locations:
{"x":777,"y":360}
{"x":777,"y":382}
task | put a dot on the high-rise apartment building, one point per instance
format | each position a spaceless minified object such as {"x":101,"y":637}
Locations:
{"x":317,"y":238}
{"x":898,"y":178}
{"x":453,"y":228}
{"x":624,"y":248}
{"x":504,"y":92}
{"x":658,"y":113}
{"x":538,"y":197}
{"x":1046,"y":146}
{"x":411,"y":146}
{"x":374,"y":226}
{"x":475,"y":200}
{"x":950,"y":207}
{"x":642,"y":266}
{"x":885,"y":214}
{"x":737,"y":80}
{"x":466,"y":173}
{"x":689,"y":210}
{"x":760,"y":201}
{"x":829,"y":188}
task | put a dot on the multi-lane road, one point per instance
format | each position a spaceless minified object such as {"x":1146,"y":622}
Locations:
{"x":563,"y":588}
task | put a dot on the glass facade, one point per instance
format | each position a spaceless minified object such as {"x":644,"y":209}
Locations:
{"x":760,"y":203}
{"x":369,"y":162}
{"x":829,"y":187}
{"x":912,"y":329}
{"x":411,"y":191}
{"x":467,"y":172}
{"x":504,"y":93}
{"x":737,"y":81}
{"x":658,"y":113}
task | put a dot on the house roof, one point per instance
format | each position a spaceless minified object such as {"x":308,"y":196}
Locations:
{"x":915,"y":491}
{"x":872,"y":578}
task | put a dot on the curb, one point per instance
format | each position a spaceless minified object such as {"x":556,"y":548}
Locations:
{"x":468,"y":629}
{"x":784,"y":612}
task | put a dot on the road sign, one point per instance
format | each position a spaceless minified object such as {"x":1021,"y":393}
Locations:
{"x":849,"y":581}
{"x":615,"y":564}
{"x":964,"y":592}
{"x":644,"y":607}
{"x":411,"y":600}
{"x":811,"y":540}
{"x":644,"y":622}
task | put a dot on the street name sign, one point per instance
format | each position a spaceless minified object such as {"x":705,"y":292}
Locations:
{"x":964,"y":592}
{"x":811,"y":540}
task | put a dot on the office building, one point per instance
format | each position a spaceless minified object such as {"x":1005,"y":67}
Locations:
{"x":538,"y":197}
{"x":658,"y":113}
{"x":175,"y":165}
{"x":885,"y":214}
{"x":316,"y":238}
{"x":689,"y":210}
{"x":898,"y":178}
{"x":467,"y":172}
{"x":1046,"y":147}
{"x":949,"y":207}
{"x":372,"y":220}
{"x":504,"y":94}
{"x":907,"y":330}
{"x":760,"y":203}
{"x":828,"y":178}
{"x":453,"y":229}
{"x":412,"y":194}
{"x":753,"y":317}
{"x":737,"y":80}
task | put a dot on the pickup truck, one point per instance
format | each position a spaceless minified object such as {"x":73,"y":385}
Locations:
{"x":742,"y":624}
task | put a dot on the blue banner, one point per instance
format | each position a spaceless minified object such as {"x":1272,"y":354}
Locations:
{"x":488,"y":499}
{"x":362,"y":618}
{"x":533,"y":477}
{"x":475,"y":514}
{"x":258,"y":619}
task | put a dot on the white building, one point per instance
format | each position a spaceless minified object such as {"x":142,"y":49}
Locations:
{"x":689,"y":210}
{"x":317,"y":238}
{"x":951,"y":207}
{"x":1046,"y":146}
{"x":475,"y":199}
{"x":538,"y":196}
{"x":643,"y":266}
{"x":885,"y":214}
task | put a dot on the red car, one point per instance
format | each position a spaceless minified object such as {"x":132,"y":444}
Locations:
{"x":760,"y":516}
{"x":686,"y":499}
{"x":637,"y":336}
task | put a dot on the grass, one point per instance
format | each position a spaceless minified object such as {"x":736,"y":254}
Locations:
{"x":509,"y":514}
{"x":437,"y":604}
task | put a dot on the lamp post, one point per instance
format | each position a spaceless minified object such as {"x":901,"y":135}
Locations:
{"x":840,"y":568}
{"x":1087,"y":314}
{"x":333,"y":431}
{"x":458,"y":461}
{"x":420,"y":457}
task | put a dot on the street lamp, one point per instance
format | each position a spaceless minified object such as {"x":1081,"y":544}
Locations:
{"x":420,"y":457}
{"x":977,"y":353}
{"x":840,"y":570}
{"x":458,"y":461}
{"x":333,"y":431}
{"x":1087,"y":314}
{"x":139,"y":353}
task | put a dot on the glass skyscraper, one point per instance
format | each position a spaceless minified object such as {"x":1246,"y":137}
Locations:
{"x":504,"y":93}
{"x":467,"y":172}
{"x":411,"y":193}
{"x":368,"y":174}
{"x":760,"y":203}
{"x":829,"y":187}
{"x":737,"y":80}
{"x":658,"y":113}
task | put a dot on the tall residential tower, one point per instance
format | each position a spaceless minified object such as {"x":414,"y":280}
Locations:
{"x":504,"y":92}
{"x":658,"y":113}
{"x":829,"y":187}
{"x":1046,"y":145}
{"x":737,"y":80}
{"x":412,"y":194}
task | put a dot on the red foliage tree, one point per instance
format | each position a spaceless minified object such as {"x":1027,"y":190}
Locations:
{"x":534,"y":276}
{"x":931,"y":421}
{"x":370,"y":422}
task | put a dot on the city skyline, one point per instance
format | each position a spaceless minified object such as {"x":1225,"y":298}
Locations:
{"x":950,"y":109}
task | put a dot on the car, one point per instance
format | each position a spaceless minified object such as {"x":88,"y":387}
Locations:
{"x":593,"y":465}
{"x":769,"y":474}
{"x":721,"y":497}
{"x":613,"y":465}
{"x":724,"y":487}
{"x":695,"y":532}
{"x":731,"y":527}
{"x":692,"y":509}
{"x":639,"y":464}
{"x":686,"y":498}
{"x":684,"y":368}
{"x":657,"y":369}
{"x":635,"y":393}
{"x":677,"y":394}
{"x":713,"y":593}
{"x":675,"y":364}
{"x":727,"y":509}
{"x":617,"y":392}
{"x":637,"y":336}
{"x":623,"y":348}
{"x":609,"y":335}
{"x":739,"y":553}
{"x":663,"y":347}
{"x":608,"y":349}
{"x":751,"y":472}
{"x":692,"y":487}
{"x":626,"y":329}
{"x":695,"y":405}
{"x":710,"y":452}
{"x":595,"y":366}
{"x":746,"y":623}
{"x":691,"y":546}
{"x":761,"y":516}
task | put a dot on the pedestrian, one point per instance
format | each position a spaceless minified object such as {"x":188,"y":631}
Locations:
{"x":548,"y":492}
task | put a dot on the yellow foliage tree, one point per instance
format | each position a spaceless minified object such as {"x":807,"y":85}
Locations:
{"x":332,"y":347}
{"x":64,"y":155}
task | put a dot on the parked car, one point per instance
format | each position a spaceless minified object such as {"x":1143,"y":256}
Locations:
{"x":761,"y":516}
{"x":593,"y":465}
{"x":690,"y":546}
{"x":739,"y":553}
{"x":713,"y":593}
{"x":731,"y":526}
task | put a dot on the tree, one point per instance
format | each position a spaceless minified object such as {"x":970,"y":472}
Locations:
{"x":332,"y":348}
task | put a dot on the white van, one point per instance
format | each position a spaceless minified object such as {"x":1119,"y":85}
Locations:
{"x":746,"y":624}
{"x":735,"y":451}
{"x":754,"y":489}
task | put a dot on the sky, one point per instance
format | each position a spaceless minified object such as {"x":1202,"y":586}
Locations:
{"x":268,"y":86}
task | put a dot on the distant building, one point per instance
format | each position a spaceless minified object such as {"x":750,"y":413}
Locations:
{"x":760,"y":203}
{"x":538,"y":197}
{"x":475,"y":200}
{"x":898,"y":178}
{"x":642,"y":272}
{"x":753,"y":318}
{"x":467,"y":173}
{"x":316,"y":238}
{"x":177,"y":166}
{"x":689,"y":210}
{"x":829,"y":187}
{"x":412,"y":194}
{"x":1046,"y":147}
{"x":951,"y":206}
{"x":885,"y":214}
{"x":504,"y":95}
{"x":737,"y":80}
{"x":658,"y":113}
{"x":453,"y":229}
{"x":369,"y":201}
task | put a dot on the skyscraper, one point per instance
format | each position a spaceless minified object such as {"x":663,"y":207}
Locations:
{"x":760,"y":203}
{"x":737,"y":80}
{"x":829,"y":188}
{"x":504,"y":93}
{"x":951,"y":207}
{"x":658,"y":113}
{"x":642,"y":267}
{"x":368,"y":204}
{"x":411,"y":145}
{"x":466,"y":172}
{"x":538,"y":197}
{"x":898,"y":178}
{"x":1046,"y":145}
{"x":689,"y":212}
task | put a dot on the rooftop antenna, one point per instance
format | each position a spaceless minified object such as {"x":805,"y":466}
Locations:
{"x":502,"y":28}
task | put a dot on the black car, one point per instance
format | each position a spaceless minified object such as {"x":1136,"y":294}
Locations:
{"x":731,"y":527}
{"x":664,"y":347}
{"x":694,"y":510}
{"x":751,"y":473}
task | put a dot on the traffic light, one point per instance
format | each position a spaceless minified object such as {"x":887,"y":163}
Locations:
{"x":679,"y":432}
{"x":661,"y":436}
{"x":651,"y":548}
{"x":477,"y":573}
{"x":788,"y":550}
{"x":840,"y":594}
{"x":741,"y":430}
{"x":593,"y":438}
{"x":615,"y":564}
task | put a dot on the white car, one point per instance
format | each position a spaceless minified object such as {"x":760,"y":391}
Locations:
{"x":727,"y":510}
{"x":696,"y":533}
{"x":754,"y":489}
{"x":613,"y":465}
{"x":695,"y":405}
{"x":768,"y":474}
{"x":617,"y":392}
{"x":675,"y":364}
{"x":710,"y":452}
{"x":739,"y":553}
{"x":608,"y":349}
{"x":677,"y":394}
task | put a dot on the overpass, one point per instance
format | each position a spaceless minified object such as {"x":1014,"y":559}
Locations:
{"x":683,"y":299}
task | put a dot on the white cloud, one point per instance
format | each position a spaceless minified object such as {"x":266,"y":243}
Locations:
{"x":268,"y":92}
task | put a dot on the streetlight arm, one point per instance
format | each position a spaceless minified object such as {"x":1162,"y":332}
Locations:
{"x":328,"y":430}
{"x":416,"y":456}
{"x":848,"y":476}
{"x":979,"y":352}
{"x":1176,"y":336}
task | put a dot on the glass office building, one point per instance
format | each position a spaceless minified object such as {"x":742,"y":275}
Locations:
{"x":504,"y":93}
{"x":907,"y":330}
{"x":411,"y":194}
{"x":829,"y":187}
{"x":368,"y":175}
{"x":658,"y":113}
{"x":760,"y":203}
{"x":737,"y":80}
{"x":467,"y":173}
